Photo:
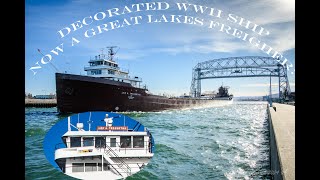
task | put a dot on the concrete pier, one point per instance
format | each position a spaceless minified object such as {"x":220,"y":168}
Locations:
{"x":282,"y":141}
{"x":40,"y":103}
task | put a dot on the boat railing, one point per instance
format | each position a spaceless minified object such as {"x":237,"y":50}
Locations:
{"x":100,"y":66}
{"x":147,"y":145}
{"x":135,"y":78}
{"x":106,"y":66}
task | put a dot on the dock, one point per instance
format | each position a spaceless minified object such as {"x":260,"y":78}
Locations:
{"x":282,"y":141}
{"x":46,"y":103}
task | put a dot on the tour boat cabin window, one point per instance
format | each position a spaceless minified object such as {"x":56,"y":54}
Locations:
{"x":125,"y":141}
{"x":94,"y":72}
{"x":77,"y":167}
{"x":91,"y":167}
{"x":138,"y":141}
{"x":100,"y":142}
{"x":75,"y":141}
{"x":87,"y":141}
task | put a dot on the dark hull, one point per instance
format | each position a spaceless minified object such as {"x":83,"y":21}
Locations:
{"x":76,"y":93}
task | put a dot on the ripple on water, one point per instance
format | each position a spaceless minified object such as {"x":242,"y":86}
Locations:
{"x":35,"y":132}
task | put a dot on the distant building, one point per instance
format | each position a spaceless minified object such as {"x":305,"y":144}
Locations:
{"x":50,"y":96}
{"x":28,"y":96}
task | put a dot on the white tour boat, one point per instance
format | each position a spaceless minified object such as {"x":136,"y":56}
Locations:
{"x":108,"y":152}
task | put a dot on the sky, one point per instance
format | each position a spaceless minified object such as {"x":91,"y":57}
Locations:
{"x":161,"y":53}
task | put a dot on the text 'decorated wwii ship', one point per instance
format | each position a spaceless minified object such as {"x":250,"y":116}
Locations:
{"x":106,"y":87}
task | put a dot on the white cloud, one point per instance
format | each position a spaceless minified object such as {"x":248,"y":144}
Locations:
{"x":277,"y":16}
{"x":283,"y":38}
{"x":262,"y":11}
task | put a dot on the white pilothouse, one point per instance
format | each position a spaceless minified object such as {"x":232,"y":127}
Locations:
{"x":109,"y":152}
{"x":104,"y":66}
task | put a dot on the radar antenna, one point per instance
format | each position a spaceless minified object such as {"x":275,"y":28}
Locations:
{"x":111,"y":52}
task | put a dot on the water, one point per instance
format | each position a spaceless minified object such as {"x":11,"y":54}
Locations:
{"x":227,"y":142}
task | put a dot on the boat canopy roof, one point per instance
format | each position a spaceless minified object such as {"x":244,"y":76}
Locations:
{"x":105,"y":133}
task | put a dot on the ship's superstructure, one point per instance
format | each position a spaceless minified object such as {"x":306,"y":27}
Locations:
{"x":104,"y":66}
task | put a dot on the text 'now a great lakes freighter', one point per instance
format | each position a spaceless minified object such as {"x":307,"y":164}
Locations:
{"x":108,"y":88}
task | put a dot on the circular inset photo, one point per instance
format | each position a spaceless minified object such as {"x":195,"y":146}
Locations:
{"x":99,"y":145}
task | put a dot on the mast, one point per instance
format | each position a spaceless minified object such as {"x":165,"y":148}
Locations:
{"x":111,"y":52}
{"x":69,"y":127}
{"x":55,"y":68}
{"x":89,"y":121}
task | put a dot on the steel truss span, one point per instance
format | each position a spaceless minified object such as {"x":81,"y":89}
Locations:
{"x":238,"y":67}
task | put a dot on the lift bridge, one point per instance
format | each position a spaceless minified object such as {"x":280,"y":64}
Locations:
{"x":237,"y":67}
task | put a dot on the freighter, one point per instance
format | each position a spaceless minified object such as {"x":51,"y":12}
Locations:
{"x":106,"y":87}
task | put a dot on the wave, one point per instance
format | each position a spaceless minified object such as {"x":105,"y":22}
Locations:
{"x":144,"y":174}
{"x":34,"y":132}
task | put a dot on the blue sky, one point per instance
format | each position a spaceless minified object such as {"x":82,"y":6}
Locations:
{"x":162,"y":54}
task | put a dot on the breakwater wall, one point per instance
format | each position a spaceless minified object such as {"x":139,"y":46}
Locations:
{"x":47,"y":103}
{"x":282,"y":141}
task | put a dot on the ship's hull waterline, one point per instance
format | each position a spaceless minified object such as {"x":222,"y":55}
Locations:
{"x":77,"y":93}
